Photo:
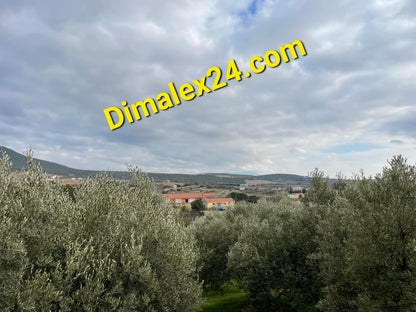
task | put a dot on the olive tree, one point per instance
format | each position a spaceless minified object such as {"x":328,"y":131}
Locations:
{"x":367,"y":250}
{"x":270,"y":258}
{"x":215,"y":234}
{"x":214,"y":237}
{"x":116,"y":247}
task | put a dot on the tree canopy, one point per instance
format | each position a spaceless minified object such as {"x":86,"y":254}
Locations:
{"x":115,"y":248}
{"x":112,"y":246}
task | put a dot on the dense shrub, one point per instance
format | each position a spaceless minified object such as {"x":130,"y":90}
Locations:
{"x":198,"y":205}
{"x":270,"y":259}
{"x":241,"y":196}
{"x":350,"y":246}
{"x":112,"y":246}
{"x":115,"y":248}
{"x":216,"y":234}
{"x":214,"y":237}
{"x":265,"y":248}
{"x":367,"y":245}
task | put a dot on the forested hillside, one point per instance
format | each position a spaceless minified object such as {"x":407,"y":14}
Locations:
{"x":19,"y":163}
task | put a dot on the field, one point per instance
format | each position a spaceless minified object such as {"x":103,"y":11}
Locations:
{"x":232,"y":300}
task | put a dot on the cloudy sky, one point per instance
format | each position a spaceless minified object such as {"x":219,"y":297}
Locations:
{"x":347,"y":105}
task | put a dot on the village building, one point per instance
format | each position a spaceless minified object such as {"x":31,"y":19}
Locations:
{"x":296,"y":195}
{"x":186,"y":199}
{"x":216,"y":203}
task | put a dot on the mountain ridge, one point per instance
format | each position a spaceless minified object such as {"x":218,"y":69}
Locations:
{"x":19,"y":162}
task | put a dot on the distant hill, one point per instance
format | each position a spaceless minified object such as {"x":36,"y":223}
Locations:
{"x":284,"y":178}
{"x":230,"y":175}
{"x":19,"y":163}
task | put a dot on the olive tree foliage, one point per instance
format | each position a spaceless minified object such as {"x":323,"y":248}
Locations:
{"x":215,"y":234}
{"x":270,"y":258}
{"x":321,"y":191}
{"x":265,"y":248}
{"x":115,"y":248}
{"x":197,"y":205}
{"x":367,"y":243}
{"x":214,"y":237}
{"x":349,"y":246}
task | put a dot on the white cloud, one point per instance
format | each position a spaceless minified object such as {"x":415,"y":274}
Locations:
{"x":63,"y":63}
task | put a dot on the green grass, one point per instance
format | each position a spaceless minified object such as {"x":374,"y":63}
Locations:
{"x":231,"y":301}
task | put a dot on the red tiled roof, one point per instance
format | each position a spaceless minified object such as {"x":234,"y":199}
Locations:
{"x":190,"y":195}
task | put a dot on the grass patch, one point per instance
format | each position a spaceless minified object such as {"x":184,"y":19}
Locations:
{"x":232,"y":300}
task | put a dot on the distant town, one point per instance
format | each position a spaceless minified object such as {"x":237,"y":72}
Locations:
{"x":212,"y":202}
{"x":216,"y":191}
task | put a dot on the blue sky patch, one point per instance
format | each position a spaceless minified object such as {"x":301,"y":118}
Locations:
{"x":251,"y":10}
{"x":351,"y":148}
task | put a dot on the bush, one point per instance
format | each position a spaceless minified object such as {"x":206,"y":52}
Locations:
{"x":115,"y":248}
{"x":214,"y":237}
{"x":197,"y":205}
{"x":265,"y":248}
{"x":367,"y":250}
{"x":348,"y":247}
{"x":270,"y":258}
{"x":241,"y":196}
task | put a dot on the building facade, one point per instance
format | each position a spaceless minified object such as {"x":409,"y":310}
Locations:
{"x":185,"y":199}
{"x":215,"y":203}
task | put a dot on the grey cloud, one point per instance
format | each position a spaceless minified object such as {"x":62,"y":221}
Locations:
{"x":63,"y":63}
